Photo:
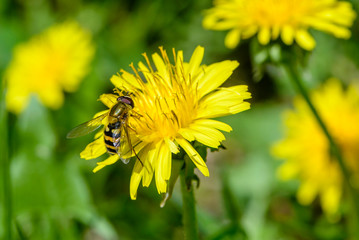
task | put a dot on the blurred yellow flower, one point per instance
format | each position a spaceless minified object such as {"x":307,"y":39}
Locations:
{"x":306,"y":148}
{"x":176,"y":103}
{"x":289,"y":19}
{"x":50,"y":62}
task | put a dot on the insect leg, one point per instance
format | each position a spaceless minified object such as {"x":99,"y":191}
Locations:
{"x":130,"y":145}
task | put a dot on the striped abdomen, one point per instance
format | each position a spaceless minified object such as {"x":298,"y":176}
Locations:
{"x":112,"y":136}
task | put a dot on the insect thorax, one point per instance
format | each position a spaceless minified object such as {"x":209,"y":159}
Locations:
{"x":118,"y":110}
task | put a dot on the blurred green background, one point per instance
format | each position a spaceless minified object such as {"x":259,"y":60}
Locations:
{"x":55,"y":193}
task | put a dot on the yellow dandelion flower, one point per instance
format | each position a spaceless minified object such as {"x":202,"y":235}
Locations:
{"x":288,"y":19}
{"x":49,"y":63}
{"x":306,"y":148}
{"x":176,"y":103}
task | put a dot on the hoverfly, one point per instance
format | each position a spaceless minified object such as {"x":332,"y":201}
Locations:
{"x":116,"y":135}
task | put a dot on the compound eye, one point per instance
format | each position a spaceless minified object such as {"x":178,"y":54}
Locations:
{"x":127,"y":100}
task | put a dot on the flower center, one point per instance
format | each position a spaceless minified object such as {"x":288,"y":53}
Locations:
{"x":276,"y":12}
{"x":167,"y":100}
{"x":166,"y":104}
{"x":163,"y":114}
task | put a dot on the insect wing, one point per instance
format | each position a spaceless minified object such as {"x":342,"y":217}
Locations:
{"x":124,"y":147}
{"x":86,"y":127}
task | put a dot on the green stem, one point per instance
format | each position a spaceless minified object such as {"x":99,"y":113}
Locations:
{"x":7,"y":206}
{"x":189,"y":209}
{"x":335,"y":150}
